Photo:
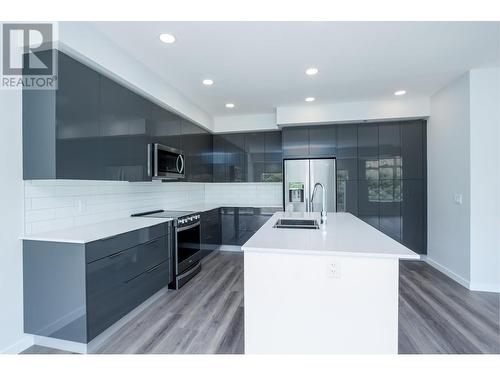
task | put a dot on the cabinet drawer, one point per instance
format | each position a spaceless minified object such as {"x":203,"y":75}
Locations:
{"x":108,"y":272}
{"x":105,"y":308}
{"x":112,"y":245}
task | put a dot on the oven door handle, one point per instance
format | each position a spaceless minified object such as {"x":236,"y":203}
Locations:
{"x":188,"y":227}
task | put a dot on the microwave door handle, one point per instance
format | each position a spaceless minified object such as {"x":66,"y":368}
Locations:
{"x":181,"y":169}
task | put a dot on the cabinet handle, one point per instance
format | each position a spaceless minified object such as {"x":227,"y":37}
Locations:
{"x":117,"y":254}
{"x":153,"y":268}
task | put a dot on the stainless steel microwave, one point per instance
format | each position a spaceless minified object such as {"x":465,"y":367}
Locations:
{"x":167,"y":162}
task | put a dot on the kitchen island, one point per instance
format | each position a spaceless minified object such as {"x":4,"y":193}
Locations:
{"x":327,"y":290}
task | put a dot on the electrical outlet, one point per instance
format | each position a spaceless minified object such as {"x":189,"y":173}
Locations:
{"x":457,"y":199}
{"x":333,"y":270}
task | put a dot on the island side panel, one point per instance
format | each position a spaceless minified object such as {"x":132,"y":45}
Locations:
{"x":294,"y":304}
{"x":54,"y":290}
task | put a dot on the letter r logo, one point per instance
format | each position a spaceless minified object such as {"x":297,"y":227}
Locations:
{"x":27,"y":49}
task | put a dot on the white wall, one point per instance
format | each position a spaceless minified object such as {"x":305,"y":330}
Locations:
{"x":250,"y":194}
{"x":12,"y":338}
{"x":310,"y":113}
{"x":95,"y":49}
{"x":253,"y":122}
{"x":485,"y":179}
{"x":58,"y":204}
{"x":448,"y":174}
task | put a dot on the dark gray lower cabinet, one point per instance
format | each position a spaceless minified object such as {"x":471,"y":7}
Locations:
{"x":75,"y":291}
{"x":240,"y":223}
{"x":210,"y":231}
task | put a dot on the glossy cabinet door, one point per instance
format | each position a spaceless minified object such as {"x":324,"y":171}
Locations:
{"x":165,"y":127}
{"x":295,"y":142}
{"x":368,"y":160}
{"x":347,"y":196}
{"x":322,"y":141}
{"x":197,"y":146}
{"x":123,"y":130}
{"x":273,"y":157}
{"x":210,"y":231}
{"x":255,"y":148}
{"x":347,"y":152}
{"x":236,"y":170}
{"x":368,"y":163}
{"x":229,"y":225}
{"x":413,"y":210}
{"x":390,"y":197}
{"x":79,"y":146}
{"x":390,"y":174}
{"x":219,"y":159}
{"x":413,"y":149}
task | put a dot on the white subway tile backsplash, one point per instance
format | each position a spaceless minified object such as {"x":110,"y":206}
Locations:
{"x":59,"y":204}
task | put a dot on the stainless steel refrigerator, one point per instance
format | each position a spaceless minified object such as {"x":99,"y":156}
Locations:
{"x":300,"y":176}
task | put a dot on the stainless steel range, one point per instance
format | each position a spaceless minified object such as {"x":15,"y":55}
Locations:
{"x":187,"y":244}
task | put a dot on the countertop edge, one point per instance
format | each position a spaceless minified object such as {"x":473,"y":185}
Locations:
{"x":329,"y":253}
{"x":46,"y":236}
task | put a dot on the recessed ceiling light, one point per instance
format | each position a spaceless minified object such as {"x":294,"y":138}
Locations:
{"x":400,"y":92}
{"x":167,"y":38}
{"x":207,"y":82}
{"x":229,"y":105}
{"x":310,"y":99}
{"x":312,"y":71}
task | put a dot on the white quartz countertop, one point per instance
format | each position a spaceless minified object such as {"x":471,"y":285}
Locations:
{"x":94,"y":232}
{"x":343,"y":235}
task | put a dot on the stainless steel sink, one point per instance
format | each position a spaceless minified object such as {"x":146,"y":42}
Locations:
{"x":297,"y":224}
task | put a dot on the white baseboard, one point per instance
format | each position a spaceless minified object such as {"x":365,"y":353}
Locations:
{"x":69,"y":346}
{"x":482,"y":287}
{"x":230,"y":248}
{"x":19,"y":346}
{"x":459,"y":279}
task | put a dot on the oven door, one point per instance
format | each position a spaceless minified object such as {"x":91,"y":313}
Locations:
{"x":188,"y":247}
{"x":168,"y":162}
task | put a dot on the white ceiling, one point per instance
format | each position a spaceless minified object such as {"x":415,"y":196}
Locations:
{"x":260,"y":65}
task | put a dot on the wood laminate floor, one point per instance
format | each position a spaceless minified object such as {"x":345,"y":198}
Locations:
{"x":436,"y":315}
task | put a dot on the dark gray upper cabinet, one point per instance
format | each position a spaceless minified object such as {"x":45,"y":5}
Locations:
{"x":165,"y":127}
{"x":389,"y":151}
{"x":413,"y":148}
{"x":219,"y":159}
{"x":124,"y":118}
{"x":273,"y":157}
{"x":255,"y":148}
{"x":197,"y":146}
{"x":295,"y":142}
{"x":368,"y":163}
{"x":347,"y":152}
{"x":322,"y":141}
{"x":61,"y":126}
{"x":235,"y":157}
{"x":247,"y":157}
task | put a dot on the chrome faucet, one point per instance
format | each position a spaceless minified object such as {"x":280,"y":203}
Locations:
{"x":323,"y":203}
